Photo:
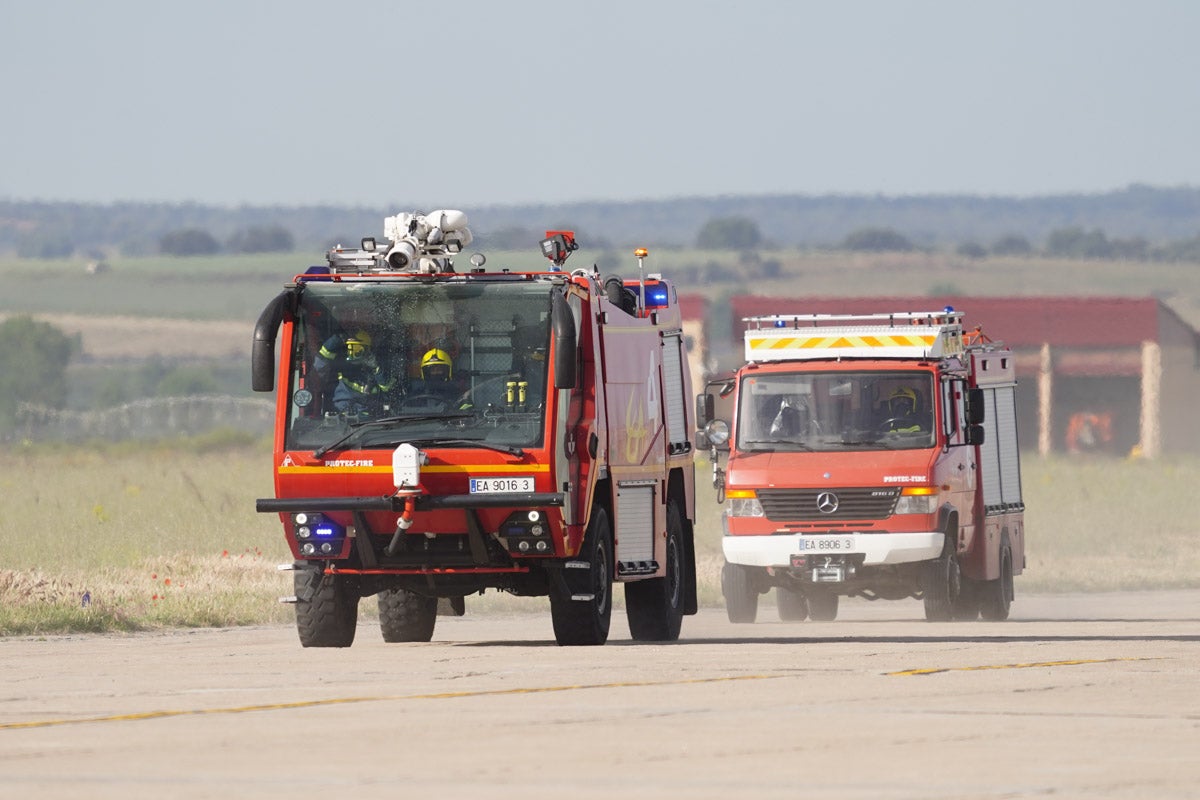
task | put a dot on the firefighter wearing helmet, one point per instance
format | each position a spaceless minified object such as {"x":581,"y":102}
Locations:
{"x":436,"y":385}
{"x":362,"y":382}
{"x":436,"y":366}
{"x":904,"y":412}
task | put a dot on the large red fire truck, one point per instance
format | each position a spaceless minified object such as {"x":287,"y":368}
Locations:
{"x":869,"y":455}
{"x":439,"y":433}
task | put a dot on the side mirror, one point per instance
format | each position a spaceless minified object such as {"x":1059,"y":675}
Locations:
{"x":704,"y":409}
{"x":975,"y":434}
{"x":975,"y":406}
{"x":565,"y":346}
{"x":262,"y":354}
{"x":702,"y":442}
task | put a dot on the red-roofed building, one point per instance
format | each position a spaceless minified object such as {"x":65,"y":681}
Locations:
{"x":1116,"y":374}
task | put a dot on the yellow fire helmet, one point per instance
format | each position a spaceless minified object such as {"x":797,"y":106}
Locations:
{"x":906,"y":394}
{"x":437,"y":358}
{"x":357,"y":344}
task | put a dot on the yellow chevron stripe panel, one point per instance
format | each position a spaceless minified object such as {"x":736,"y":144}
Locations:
{"x":841,"y":342}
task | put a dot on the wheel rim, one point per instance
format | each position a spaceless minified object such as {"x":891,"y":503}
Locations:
{"x":674,"y":576}
{"x":601,"y":584}
{"x":1006,"y":576}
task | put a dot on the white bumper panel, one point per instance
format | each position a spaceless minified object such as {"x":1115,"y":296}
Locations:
{"x":879,"y":548}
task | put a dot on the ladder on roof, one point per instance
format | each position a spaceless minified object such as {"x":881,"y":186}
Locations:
{"x":903,"y":334}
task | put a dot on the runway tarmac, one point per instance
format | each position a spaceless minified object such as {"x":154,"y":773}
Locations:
{"x":1075,"y":696}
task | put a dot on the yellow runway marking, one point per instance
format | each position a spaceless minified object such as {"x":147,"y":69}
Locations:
{"x":333,"y":701}
{"x":1072,"y":663}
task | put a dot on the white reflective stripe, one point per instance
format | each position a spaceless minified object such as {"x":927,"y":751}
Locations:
{"x":879,"y":548}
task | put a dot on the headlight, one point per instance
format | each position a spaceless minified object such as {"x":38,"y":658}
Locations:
{"x":717,"y":431}
{"x":745,"y":507}
{"x":916,"y":504}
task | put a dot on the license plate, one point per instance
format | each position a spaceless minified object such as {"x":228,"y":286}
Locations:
{"x":826,"y":544}
{"x":523,"y":483}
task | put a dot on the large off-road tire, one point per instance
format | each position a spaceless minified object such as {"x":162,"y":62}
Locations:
{"x":326,"y":608}
{"x":406,"y":616}
{"x":792,"y":605}
{"x":941,"y":582}
{"x":822,"y":606}
{"x":741,"y":593}
{"x":966,"y":605}
{"x":996,"y":596}
{"x":654,"y":607}
{"x":586,"y":621}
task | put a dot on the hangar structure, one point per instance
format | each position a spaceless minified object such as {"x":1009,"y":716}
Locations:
{"x":1103,"y":374}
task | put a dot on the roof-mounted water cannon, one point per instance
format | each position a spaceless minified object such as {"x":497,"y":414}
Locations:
{"x":411,"y":243}
{"x":417,"y":238}
{"x":558,"y":246}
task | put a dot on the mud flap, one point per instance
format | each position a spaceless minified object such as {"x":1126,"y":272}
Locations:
{"x":574,"y":580}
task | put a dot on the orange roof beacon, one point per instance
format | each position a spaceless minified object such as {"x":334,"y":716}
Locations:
{"x":869,"y":455}
{"x":554,"y":458}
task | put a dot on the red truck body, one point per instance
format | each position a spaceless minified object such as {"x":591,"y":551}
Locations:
{"x":829,"y":493}
{"x":555,"y":463}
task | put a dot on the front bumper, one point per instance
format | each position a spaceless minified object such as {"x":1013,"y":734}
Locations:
{"x":423,"y":502}
{"x":875,"y":548}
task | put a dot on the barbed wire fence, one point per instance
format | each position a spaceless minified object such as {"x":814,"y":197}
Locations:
{"x":150,"y":418}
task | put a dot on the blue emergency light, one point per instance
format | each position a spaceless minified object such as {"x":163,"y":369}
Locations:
{"x":658,"y":295}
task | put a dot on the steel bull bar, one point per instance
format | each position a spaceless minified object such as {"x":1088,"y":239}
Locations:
{"x":424,"y":502}
{"x":575,"y":583}
{"x":391,"y":560}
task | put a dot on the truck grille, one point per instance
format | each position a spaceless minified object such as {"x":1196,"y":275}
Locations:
{"x":805,"y":504}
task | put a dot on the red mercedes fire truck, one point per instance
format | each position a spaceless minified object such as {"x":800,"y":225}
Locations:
{"x":548,"y":453}
{"x":869,"y":455}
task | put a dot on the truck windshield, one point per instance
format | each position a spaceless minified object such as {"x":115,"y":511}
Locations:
{"x":462,"y":359}
{"x":834,"y":411}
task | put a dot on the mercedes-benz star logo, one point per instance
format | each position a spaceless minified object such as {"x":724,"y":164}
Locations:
{"x":827,"y":502}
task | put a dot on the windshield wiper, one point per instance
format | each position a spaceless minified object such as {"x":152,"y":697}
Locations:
{"x":358,"y":427}
{"x":780,"y":442}
{"x":511,"y":449}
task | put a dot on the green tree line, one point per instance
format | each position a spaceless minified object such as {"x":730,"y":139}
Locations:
{"x":1160,"y":216}
{"x":33,"y":366}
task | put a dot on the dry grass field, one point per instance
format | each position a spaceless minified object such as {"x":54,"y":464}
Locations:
{"x":237,"y":288}
{"x":168,"y":536}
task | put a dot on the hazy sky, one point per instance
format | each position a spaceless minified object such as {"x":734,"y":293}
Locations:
{"x":461,"y":103}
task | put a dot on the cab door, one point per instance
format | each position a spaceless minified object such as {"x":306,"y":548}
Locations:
{"x":957,"y":469}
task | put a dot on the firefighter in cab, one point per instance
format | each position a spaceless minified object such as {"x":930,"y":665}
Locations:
{"x":436,"y":387}
{"x":905,"y":414}
{"x":362,"y":382}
